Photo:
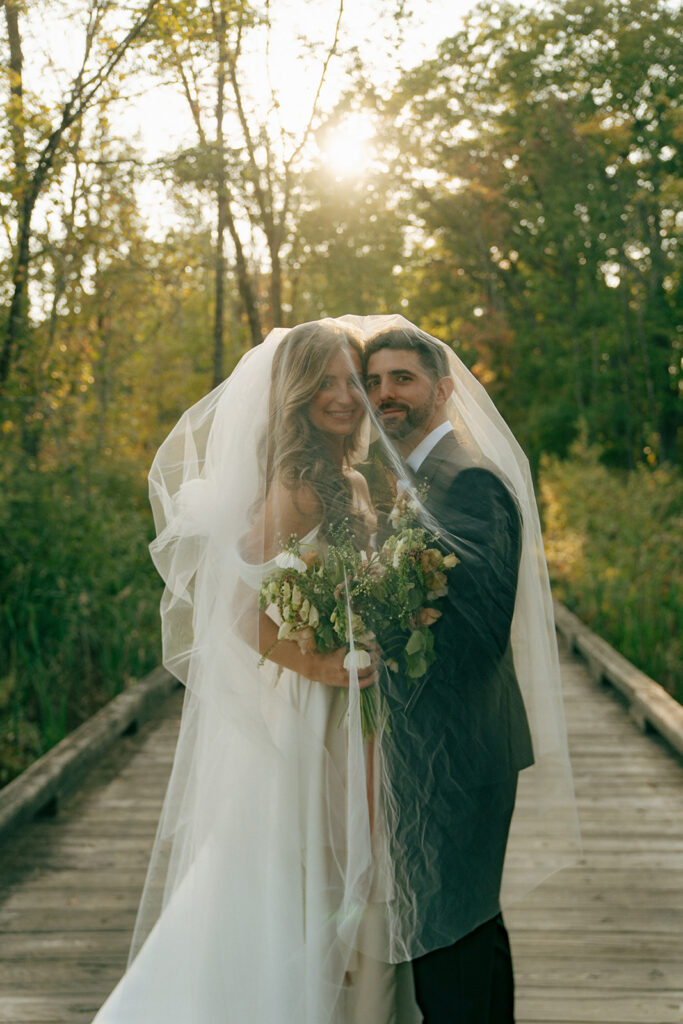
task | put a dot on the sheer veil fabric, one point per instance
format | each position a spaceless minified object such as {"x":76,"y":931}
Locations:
{"x":273,"y":871}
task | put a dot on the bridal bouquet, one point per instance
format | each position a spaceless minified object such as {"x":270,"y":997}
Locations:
{"x":389,"y":597}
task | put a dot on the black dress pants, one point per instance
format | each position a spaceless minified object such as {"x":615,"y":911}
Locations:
{"x":469,"y":982}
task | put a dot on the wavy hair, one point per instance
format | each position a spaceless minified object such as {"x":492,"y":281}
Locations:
{"x":292,"y":448}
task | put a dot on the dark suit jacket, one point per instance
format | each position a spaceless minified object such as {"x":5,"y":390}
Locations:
{"x":460,"y":736}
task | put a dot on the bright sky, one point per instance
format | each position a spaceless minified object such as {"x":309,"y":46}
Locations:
{"x":157,"y":118}
{"x":161,"y":122}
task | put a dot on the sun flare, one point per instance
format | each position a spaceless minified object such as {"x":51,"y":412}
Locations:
{"x":347,"y":148}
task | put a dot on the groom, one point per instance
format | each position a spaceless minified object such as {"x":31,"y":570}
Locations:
{"x":459,"y":738}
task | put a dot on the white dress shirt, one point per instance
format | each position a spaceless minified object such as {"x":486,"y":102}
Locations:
{"x":422,"y":450}
{"x":420,"y":453}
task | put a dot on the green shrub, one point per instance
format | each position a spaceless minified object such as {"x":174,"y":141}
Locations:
{"x":613,"y":543}
{"x":79,"y":602}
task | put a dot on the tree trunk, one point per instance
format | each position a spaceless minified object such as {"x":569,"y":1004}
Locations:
{"x":18,"y":307}
{"x":83,"y":91}
{"x":221,"y":202}
{"x":16,"y":102}
{"x":626,"y":365}
{"x":219,"y":308}
{"x":275,"y":279}
{"x":244,"y":284}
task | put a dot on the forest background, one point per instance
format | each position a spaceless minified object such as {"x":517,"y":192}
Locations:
{"x":514,"y":193}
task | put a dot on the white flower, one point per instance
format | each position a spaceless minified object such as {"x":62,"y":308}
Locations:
{"x":297,"y":598}
{"x":305,"y":609}
{"x":285,"y":631}
{"x":357,"y":659}
{"x":313,"y":616}
{"x":288,"y":560}
{"x":399,"y":551}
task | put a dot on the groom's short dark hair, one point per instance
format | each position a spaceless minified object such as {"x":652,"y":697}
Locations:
{"x":431,"y":353}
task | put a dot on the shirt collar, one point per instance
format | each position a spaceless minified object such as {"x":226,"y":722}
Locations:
{"x":420,"y":453}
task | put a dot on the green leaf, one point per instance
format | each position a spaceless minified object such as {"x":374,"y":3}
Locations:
{"x":416,"y":642}
{"x":416,"y":666}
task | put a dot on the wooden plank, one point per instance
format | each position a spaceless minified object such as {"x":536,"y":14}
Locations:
{"x":557,"y":1006}
{"x":65,"y":946}
{"x":615,"y":975}
{"x":33,"y":1009}
{"x":613,"y":898}
{"x":67,"y":919}
{"x":82,"y":976}
{"x":605,"y":947}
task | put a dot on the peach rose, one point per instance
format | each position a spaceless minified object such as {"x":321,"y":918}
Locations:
{"x":428,"y":616}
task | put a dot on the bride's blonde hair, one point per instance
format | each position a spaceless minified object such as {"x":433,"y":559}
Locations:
{"x":294,"y":450}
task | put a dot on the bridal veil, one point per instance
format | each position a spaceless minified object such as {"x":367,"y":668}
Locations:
{"x":271,"y":867}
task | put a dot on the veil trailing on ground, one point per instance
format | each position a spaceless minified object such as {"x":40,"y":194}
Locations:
{"x":273,"y":865}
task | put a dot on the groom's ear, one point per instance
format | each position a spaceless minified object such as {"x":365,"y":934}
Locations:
{"x":443,"y":390}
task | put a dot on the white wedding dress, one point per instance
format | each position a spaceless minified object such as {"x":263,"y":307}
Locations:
{"x":250,"y":933}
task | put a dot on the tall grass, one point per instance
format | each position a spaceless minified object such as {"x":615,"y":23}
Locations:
{"x":79,"y":602}
{"x":613,"y":543}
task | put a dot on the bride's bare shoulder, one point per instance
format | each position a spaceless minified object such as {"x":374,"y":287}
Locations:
{"x":285,"y":512}
{"x":294,"y":504}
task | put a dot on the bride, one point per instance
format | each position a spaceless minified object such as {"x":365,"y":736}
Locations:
{"x":271,"y":896}
{"x":263,"y":862}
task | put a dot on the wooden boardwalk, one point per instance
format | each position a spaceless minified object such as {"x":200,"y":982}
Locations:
{"x":599,"y":943}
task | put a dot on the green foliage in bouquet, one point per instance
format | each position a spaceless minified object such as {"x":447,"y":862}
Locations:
{"x":389,"y":597}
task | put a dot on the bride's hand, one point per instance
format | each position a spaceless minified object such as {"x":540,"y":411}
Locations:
{"x":329,"y":668}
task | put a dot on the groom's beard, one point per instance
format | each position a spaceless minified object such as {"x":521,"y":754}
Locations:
{"x":416,"y":416}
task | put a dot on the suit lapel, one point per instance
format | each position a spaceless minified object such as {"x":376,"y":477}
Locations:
{"x":444,"y":458}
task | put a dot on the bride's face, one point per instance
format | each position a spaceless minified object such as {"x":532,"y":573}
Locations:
{"x":337,"y":408}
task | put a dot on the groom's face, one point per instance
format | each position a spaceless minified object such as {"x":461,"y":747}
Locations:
{"x":402,"y":393}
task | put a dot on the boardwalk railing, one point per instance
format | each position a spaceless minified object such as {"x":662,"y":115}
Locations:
{"x":42,"y":785}
{"x":651,"y":707}
{"x":39,"y":788}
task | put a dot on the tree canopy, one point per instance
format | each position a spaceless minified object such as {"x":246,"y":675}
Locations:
{"x":519,"y":200}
